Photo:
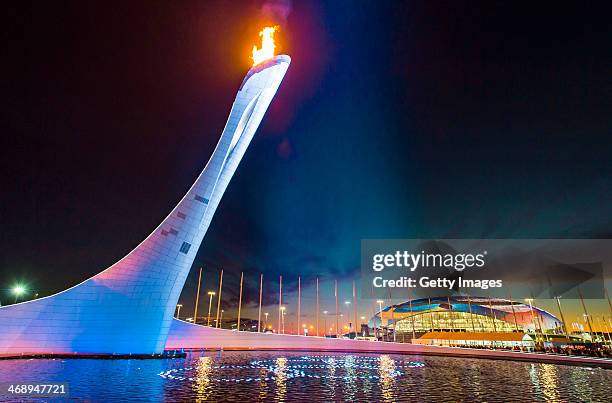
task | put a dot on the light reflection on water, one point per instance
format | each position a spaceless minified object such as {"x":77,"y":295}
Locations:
{"x":387,"y":380}
{"x":548,"y":375}
{"x":202,"y":384}
{"x":349,"y":388}
{"x":283,"y":376}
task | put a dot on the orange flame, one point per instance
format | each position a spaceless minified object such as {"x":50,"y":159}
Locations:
{"x":267,"y":45}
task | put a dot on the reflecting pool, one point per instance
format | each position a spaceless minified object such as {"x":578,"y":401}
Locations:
{"x":281,"y":376}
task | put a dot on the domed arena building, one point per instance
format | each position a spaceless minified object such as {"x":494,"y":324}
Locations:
{"x":463,"y":314}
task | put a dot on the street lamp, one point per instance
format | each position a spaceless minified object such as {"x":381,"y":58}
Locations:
{"x":211,"y":294}
{"x":18,"y":290}
{"x":178,"y":312}
{"x":266,"y":322}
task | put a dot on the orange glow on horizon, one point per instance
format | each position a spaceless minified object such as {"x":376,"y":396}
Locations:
{"x":267,"y":46}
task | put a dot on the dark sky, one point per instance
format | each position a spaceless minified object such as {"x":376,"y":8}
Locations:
{"x":396,"y":120}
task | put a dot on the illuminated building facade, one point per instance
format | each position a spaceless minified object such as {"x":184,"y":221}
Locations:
{"x":467,"y":314}
{"x":128,"y":308}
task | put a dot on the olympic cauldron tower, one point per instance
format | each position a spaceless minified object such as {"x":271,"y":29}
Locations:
{"x":128,"y":308}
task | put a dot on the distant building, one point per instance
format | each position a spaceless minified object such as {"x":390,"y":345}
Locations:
{"x":465,"y":314}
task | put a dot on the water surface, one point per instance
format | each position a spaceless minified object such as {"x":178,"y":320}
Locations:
{"x":279,"y":376}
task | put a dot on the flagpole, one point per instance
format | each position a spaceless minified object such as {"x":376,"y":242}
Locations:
{"x":355,"y":307}
{"x":280,"y":301}
{"x":219,"y":300}
{"x":259,"y":314}
{"x":299,"y":301}
{"x":336,"y":294}
{"x":411,"y":314}
{"x":562,"y":317}
{"x":374,"y":314}
{"x":586,"y":314}
{"x":240,"y":300}
{"x":392,"y":316}
{"x":609,"y":303}
{"x":195,"y":313}
{"x":514,"y":311}
{"x":317,"y":307}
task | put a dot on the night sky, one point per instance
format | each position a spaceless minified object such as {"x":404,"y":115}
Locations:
{"x":395,"y":120}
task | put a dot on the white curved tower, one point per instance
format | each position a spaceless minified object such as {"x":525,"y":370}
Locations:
{"x":128,"y":308}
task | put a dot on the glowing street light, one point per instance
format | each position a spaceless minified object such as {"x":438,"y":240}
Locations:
{"x":211,"y":294}
{"x":178,"y":312}
{"x":18,"y":291}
